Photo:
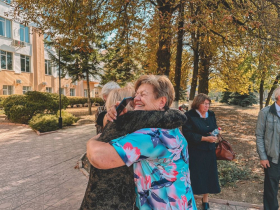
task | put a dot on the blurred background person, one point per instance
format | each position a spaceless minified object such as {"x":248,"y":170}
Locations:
{"x":203,"y":164}
{"x":101,"y":110}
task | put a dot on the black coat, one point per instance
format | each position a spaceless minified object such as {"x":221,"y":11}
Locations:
{"x":202,"y":156}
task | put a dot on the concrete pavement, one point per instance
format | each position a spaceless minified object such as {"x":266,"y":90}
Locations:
{"x":37,"y":172}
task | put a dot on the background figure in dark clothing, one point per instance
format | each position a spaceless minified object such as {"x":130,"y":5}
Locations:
{"x":101,"y":111}
{"x":203,"y":164}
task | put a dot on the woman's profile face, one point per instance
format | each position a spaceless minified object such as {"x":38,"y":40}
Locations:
{"x":145,"y":99}
{"x":204,"y":107}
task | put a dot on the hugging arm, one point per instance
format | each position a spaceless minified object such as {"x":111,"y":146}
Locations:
{"x":102,"y":155}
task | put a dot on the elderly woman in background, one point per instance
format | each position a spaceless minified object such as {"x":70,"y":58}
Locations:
{"x":101,"y":111}
{"x":203,"y":164}
{"x":155,"y":147}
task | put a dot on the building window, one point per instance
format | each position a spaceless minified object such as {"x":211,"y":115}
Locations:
{"x":24,"y":33}
{"x":48,"y":68}
{"x":72,"y":92}
{"x":8,"y":90}
{"x":24,"y":63}
{"x":85,"y":93}
{"x":25,"y":89}
{"x":6,"y":60}
{"x":5,"y":27}
{"x":49,"y":89}
{"x":62,"y":92}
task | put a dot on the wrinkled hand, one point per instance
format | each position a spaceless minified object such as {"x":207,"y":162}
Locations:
{"x":265,"y":163}
{"x":112,"y":113}
{"x":212,"y":139}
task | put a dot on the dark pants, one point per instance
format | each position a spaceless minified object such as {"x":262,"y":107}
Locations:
{"x":271,"y":183}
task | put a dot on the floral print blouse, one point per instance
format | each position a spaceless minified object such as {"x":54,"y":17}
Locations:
{"x":161,"y":168}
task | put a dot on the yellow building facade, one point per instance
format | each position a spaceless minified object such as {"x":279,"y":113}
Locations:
{"x":25,"y":64}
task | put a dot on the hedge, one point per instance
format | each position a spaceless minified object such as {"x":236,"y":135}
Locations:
{"x":74,"y":100}
{"x":21,"y":108}
{"x":2,"y":98}
{"x":44,"y":123}
{"x":49,"y":122}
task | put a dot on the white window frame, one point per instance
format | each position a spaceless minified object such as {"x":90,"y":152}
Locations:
{"x":8,"y":89}
{"x":85,"y":92}
{"x":24,"y":38}
{"x":5,"y":53}
{"x":72,"y":92}
{"x":25,"y":89}
{"x":49,"y":89}
{"x":25,"y":62}
{"x":62,"y":91}
{"x":5,"y":21}
{"x":48,"y":67}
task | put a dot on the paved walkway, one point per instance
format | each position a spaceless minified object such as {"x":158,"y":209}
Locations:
{"x":37,"y":172}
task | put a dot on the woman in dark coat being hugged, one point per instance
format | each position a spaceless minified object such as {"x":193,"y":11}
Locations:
{"x":203,"y":164}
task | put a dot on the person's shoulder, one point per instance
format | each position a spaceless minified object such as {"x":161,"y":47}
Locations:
{"x":211,"y":113}
{"x":191,"y":112}
{"x":265,"y":109}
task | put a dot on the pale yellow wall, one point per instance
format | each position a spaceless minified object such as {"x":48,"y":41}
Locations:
{"x":37,"y":76}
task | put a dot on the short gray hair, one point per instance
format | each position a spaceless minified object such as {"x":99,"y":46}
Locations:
{"x":108,"y":87}
{"x":276,"y":93}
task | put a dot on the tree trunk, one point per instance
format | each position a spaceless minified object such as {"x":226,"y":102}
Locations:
{"x":163,"y":53}
{"x":204,"y":73}
{"x":274,"y":86}
{"x":195,"y":47}
{"x":88,"y":93}
{"x":178,"y":66}
{"x":261,"y":93}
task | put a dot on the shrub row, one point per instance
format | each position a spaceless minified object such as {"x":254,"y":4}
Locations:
{"x":21,"y":108}
{"x":49,"y":122}
{"x":2,"y":98}
{"x":74,"y":100}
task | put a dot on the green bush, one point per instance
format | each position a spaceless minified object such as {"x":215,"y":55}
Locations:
{"x":238,"y":99}
{"x":99,"y":101}
{"x":229,"y":172}
{"x":13,"y":100}
{"x":67,"y":118}
{"x":2,"y":98}
{"x":74,"y":100}
{"x":21,"y":108}
{"x":44,"y":123}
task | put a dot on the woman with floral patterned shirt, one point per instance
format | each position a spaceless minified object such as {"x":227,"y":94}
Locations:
{"x":159,"y":156}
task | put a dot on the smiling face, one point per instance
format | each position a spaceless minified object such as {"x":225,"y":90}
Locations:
{"x":145,"y":99}
{"x":204,"y":107}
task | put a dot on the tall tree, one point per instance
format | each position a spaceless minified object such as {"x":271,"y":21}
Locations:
{"x":78,"y":64}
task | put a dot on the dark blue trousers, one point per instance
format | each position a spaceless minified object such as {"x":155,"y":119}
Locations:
{"x":271,"y":183}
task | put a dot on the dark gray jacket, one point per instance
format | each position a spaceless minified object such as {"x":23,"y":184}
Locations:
{"x":268,"y":133}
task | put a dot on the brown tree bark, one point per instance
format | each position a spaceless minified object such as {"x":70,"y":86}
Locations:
{"x":88,"y":93}
{"x":274,"y":86}
{"x":204,"y":72}
{"x":163,"y":53}
{"x":195,"y":48}
{"x":178,"y":67}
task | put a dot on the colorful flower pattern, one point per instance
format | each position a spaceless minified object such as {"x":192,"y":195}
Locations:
{"x":161,"y":168}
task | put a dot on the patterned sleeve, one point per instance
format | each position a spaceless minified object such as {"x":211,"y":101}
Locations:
{"x":137,"y":146}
